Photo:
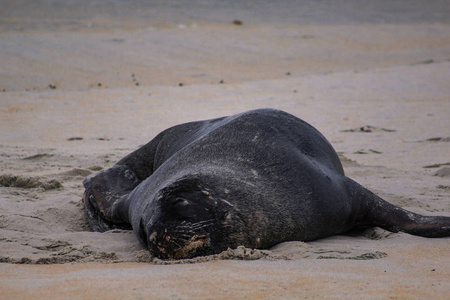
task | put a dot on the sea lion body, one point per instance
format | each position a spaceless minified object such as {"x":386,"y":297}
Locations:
{"x":256,"y":179}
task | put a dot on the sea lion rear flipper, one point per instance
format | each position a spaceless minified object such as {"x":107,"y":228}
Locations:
{"x":374,"y":211}
{"x":106,"y":198}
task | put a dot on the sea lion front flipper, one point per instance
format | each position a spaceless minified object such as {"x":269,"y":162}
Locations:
{"x":106,"y":198}
{"x":141,"y":161}
{"x":374,"y":211}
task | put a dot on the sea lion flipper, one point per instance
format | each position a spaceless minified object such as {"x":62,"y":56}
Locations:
{"x":106,"y":198}
{"x":375,"y":211}
{"x":141,"y":161}
{"x":394,"y":218}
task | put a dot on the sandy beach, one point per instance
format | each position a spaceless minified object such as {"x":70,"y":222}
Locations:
{"x":82,"y":86}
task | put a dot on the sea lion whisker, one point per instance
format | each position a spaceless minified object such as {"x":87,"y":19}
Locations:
{"x":204,"y":221}
{"x":181,"y":241}
{"x":201,"y":227}
{"x":182,"y":235}
{"x":176,"y":243}
{"x":202,"y":224}
{"x":182,"y":228}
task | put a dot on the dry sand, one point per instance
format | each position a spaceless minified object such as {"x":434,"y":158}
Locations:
{"x":77,"y":98}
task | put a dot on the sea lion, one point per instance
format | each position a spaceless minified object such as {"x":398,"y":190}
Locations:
{"x":256,"y":179}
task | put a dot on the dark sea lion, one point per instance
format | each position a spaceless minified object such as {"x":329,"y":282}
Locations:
{"x":256,"y":179}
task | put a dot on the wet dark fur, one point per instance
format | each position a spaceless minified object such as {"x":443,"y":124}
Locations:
{"x":254,"y":179}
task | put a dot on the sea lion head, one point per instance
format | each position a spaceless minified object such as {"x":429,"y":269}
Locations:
{"x":188,"y":220}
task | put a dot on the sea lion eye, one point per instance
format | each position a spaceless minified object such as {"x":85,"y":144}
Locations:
{"x":180,"y":201}
{"x":226,"y":217}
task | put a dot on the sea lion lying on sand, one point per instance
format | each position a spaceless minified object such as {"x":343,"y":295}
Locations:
{"x":256,"y":179}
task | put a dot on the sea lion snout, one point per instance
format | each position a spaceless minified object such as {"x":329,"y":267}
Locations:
{"x":179,"y":243}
